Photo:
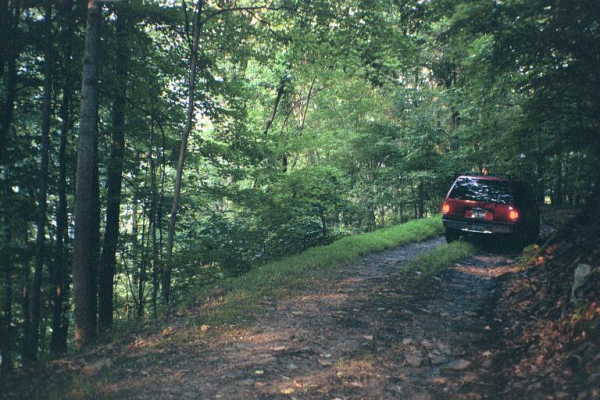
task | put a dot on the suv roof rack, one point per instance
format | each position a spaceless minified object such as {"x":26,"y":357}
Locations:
{"x":474,"y":174}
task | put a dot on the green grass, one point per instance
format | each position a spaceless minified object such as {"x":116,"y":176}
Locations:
{"x":275,"y":279}
{"x":435,"y":261}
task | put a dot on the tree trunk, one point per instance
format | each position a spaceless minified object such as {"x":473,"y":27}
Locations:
{"x":4,"y":33}
{"x":32,"y":335}
{"x":114,"y":180}
{"x":8,"y":69}
{"x":59,"y":294}
{"x":421,"y":200}
{"x":58,"y":344}
{"x":280,"y":92}
{"x":153,"y":221}
{"x":190,"y":119}
{"x":401,"y":210}
{"x":10,"y":81}
{"x":86,"y":207}
{"x":310,"y":91}
{"x":6,"y":330}
{"x":141,"y":289}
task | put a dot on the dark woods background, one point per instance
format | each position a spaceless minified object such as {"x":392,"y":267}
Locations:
{"x":209,"y":136}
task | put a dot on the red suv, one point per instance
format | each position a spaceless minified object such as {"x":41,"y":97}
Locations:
{"x":489,"y":205}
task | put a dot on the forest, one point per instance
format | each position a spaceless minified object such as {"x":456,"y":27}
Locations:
{"x":148,"y":147}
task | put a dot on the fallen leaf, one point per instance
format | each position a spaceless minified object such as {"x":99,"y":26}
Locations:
{"x":168,"y":331}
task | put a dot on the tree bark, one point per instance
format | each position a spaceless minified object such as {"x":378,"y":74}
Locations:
{"x":58,"y":344}
{"x":8,"y":70}
{"x":10,"y":60}
{"x":32,"y":335}
{"x":280,"y":93}
{"x":59,"y":273}
{"x":143,"y":259}
{"x":6,"y":330}
{"x":190,"y":119}
{"x":310,"y":91}
{"x":108,"y":259}
{"x":4,"y":33}
{"x":420,"y":200}
{"x":154,"y":222}
{"x":86,"y":206}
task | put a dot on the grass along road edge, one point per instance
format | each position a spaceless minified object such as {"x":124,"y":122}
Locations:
{"x":240,"y":297}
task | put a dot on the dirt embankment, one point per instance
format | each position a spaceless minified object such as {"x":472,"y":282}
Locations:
{"x":550,"y":342}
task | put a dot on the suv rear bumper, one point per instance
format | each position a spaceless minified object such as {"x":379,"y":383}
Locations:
{"x":478,"y":226}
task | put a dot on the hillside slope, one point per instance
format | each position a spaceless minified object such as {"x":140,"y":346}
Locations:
{"x":550,"y":317}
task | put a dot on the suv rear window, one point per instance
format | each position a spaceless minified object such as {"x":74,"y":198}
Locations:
{"x":491,"y":191}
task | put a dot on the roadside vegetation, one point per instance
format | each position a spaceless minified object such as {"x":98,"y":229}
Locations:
{"x":239,"y":296}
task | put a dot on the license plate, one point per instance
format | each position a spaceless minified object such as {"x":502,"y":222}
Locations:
{"x":478,"y":213}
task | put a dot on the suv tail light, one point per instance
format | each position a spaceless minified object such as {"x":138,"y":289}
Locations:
{"x":445,"y":208}
{"x":513,"y":214}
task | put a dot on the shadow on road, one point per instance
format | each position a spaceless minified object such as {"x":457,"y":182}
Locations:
{"x":496,"y":245}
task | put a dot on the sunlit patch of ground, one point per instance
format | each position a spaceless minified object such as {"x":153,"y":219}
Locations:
{"x":488,"y":272}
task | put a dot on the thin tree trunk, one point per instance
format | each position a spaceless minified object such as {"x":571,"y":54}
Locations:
{"x":421,"y":200}
{"x":135,"y":247}
{"x":153,"y":222}
{"x":310,"y":91}
{"x":8,"y":69}
{"x":59,"y":295}
{"x":114,"y":180}
{"x":142,"y":272}
{"x":6,"y":330}
{"x":58,"y":344}
{"x":85,"y":257}
{"x":280,"y":92}
{"x":9,"y":101}
{"x":161,"y":202}
{"x":4,"y":33}
{"x":402,"y":212}
{"x":190,"y":119}
{"x":32,"y":335}
{"x":25,"y":287}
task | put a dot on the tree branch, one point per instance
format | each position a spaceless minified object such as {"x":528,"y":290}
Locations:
{"x":253,"y":8}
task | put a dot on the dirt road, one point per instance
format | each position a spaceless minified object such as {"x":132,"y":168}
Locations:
{"x":362,"y":336}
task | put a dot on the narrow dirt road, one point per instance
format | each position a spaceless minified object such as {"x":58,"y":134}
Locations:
{"x":363,"y":336}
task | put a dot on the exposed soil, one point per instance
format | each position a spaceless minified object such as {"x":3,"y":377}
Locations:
{"x":362,"y":336}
